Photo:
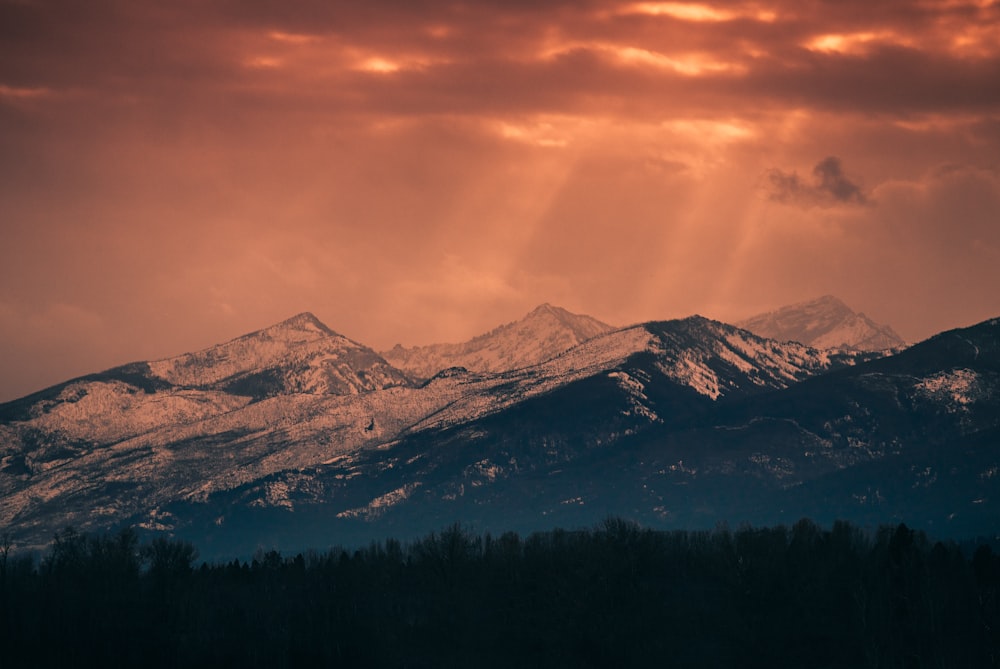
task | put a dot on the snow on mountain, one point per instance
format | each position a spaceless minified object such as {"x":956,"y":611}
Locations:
{"x":716,"y":359}
{"x":297,"y":396}
{"x":299,"y":355}
{"x":542,"y":334}
{"x":712,"y":358}
{"x":825,"y":323}
{"x":106,"y":412}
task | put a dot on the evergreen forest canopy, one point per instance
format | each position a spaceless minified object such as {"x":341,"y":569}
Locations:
{"x":613,"y":596}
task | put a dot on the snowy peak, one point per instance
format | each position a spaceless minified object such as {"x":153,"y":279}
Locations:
{"x":553,"y":323}
{"x":825,"y":322}
{"x":541,"y":335}
{"x":581,"y":327}
{"x":298,"y":355}
{"x":302,"y":327}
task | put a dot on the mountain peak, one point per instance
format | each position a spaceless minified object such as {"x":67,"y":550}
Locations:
{"x":298,"y":355}
{"x":545,"y":308}
{"x":549,"y":311}
{"x":823,"y":322}
{"x":303,"y":323}
{"x":831,"y":301}
{"x":564,"y":316}
{"x":546,"y":331}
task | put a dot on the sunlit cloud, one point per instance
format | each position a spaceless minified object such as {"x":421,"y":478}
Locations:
{"x":976,"y":41}
{"x":293,"y":38}
{"x":698,"y":12}
{"x":935,"y":123}
{"x":687,"y":64}
{"x":379,"y":65}
{"x":703,"y":130}
{"x":389,"y":64}
{"x":681,"y":10}
{"x":856,"y":43}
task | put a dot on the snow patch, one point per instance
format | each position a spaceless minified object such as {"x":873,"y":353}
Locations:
{"x":694,"y":373}
{"x":957,"y":388}
{"x":381,"y":504}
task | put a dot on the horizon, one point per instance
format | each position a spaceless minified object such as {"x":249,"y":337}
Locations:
{"x":174,"y":177}
{"x":380,"y":350}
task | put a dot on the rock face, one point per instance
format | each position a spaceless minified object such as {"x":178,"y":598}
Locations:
{"x":297,"y":436}
{"x":542,"y":334}
{"x":825,"y":322}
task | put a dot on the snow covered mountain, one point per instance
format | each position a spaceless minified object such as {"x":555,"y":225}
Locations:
{"x":128,"y":441}
{"x":911,"y":437}
{"x":825,"y":322}
{"x":297,"y":356}
{"x":544,"y":333}
{"x":689,"y":421}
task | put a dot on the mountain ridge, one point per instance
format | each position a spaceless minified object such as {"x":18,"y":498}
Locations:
{"x":675,"y":415}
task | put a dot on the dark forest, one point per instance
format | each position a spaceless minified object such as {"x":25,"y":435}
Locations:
{"x":616,"y":595}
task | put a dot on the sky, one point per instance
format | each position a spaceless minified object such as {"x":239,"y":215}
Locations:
{"x":173,"y":175}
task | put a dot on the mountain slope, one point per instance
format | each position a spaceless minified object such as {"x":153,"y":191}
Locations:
{"x":297,"y":356}
{"x":525,"y":463}
{"x":913,"y":437}
{"x":825,"y":322}
{"x":127,"y":445}
{"x":542,"y":334}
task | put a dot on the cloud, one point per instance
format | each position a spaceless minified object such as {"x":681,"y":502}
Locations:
{"x":193,"y":170}
{"x":829,"y":186}
{"x":830,"y":179}
{"x":469,"y":58}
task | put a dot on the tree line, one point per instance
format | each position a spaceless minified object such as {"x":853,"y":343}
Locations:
{"x":615,"y":595}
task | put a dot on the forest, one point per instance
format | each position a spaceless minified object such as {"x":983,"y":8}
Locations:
{"x":615,"y":595}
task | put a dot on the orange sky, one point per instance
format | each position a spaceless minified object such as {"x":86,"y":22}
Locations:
{"x":176,"y":174}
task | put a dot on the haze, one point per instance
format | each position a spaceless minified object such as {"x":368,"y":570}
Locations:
{"x":175,"y":174}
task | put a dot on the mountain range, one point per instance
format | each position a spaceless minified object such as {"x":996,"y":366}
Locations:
{"x":298,"y":436}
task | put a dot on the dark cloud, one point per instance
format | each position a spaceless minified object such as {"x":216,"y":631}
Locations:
{"x":475,"y":55}
{"x":830,"y":179}
{"x":829,"y":186}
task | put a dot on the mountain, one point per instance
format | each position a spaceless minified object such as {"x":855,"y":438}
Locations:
{"x":295,"y":436}
{"x":544,"y":333}
{"x":825,"y":322}
{"x":299,"y":355}
{"x":913,"y":437}
{"x":297,"y":416}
